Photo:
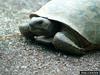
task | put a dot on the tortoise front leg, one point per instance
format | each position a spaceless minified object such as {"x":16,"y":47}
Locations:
{"x":44,"y":40}
{"x":65,"y":44}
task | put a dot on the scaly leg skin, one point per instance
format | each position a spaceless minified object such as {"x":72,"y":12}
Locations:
{"x":44,"y":40}
{"x":63,"y":43}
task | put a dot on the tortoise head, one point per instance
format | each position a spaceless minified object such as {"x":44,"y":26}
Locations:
{"x":39,"y":26}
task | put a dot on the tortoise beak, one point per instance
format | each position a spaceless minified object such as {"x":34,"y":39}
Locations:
{"x":24,"y":28}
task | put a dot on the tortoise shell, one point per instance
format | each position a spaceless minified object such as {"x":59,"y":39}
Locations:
{"x":81,"y":15}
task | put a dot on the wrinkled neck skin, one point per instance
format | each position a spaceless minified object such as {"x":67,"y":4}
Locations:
{"x":54,"y":28}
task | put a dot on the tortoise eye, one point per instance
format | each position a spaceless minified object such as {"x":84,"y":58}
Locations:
{"x":40,"y":22}
{"x":36,"y":23}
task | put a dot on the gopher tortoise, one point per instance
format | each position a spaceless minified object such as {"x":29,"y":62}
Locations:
{"x":72,"y":26}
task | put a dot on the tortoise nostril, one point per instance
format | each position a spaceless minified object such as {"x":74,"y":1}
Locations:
{"x":31,"y":24}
